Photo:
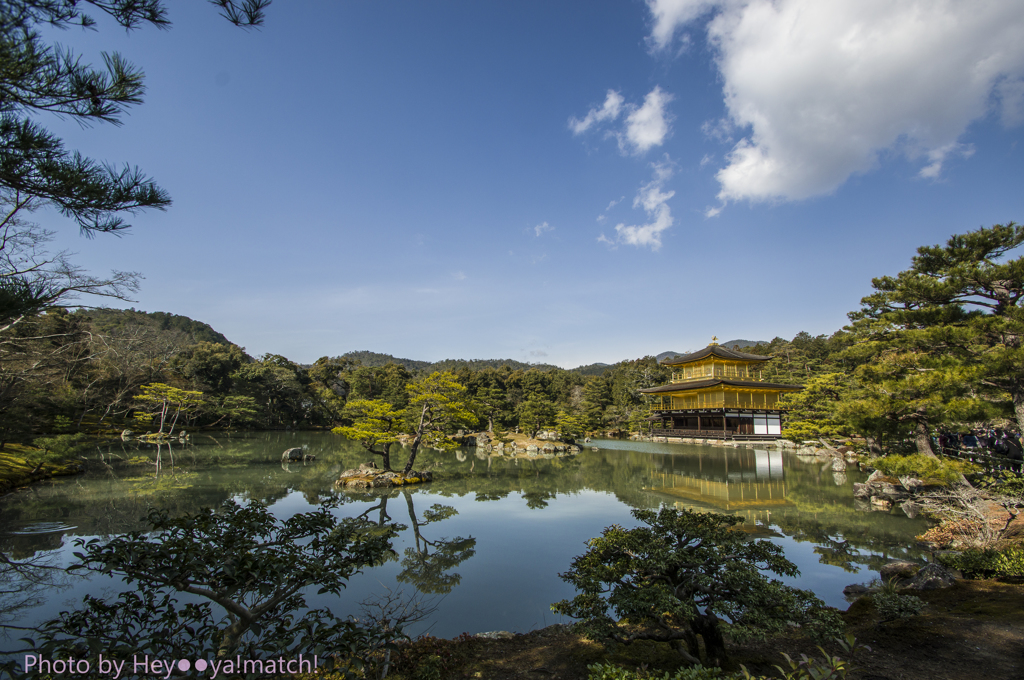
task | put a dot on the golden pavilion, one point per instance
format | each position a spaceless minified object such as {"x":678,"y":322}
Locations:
{"x":718,"y":393}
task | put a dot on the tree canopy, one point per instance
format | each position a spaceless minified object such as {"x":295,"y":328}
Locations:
{"x":684,"y":575}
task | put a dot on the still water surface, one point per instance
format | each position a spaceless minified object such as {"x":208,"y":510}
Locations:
{"x":495,"y":564}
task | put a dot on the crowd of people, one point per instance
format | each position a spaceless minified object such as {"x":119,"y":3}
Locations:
{"x":992,"y":441}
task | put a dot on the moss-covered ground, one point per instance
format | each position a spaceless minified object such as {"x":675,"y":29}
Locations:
{"x":18,"y":469}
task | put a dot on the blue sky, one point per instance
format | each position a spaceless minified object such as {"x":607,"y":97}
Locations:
{"x":558,"y":182}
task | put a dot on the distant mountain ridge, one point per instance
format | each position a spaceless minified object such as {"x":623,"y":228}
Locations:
{"x":106,"y":319}
{"x":731,"y":344}
{"x":367,"y":358}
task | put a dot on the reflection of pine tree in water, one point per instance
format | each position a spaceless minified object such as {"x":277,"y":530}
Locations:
{"x":427,"y":564}
{"x":841,"y":554}
{"x":535,"y":500}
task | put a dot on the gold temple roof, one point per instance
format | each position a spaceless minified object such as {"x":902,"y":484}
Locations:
{"x":711,"y":382}
{"x":713,"y":350}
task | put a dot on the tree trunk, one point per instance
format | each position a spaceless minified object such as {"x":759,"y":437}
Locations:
{"x":714,"y":642}
{"x":385,"y":456}
{"x":412,"y":454}
{"x":416,"y":441}
{"x":1018,"y":407}
{"x":175,"y":421}
{"x":923,"y":438}
{"x":873,"y":446}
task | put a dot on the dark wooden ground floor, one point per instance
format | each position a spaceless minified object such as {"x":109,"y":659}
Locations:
{"x":736,"y":424}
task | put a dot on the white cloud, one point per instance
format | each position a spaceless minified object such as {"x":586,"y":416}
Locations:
{"x":647,"y":126}
{"x":820,"y":89}
{"x":644,"y":126}
{"x":654,"y":202}
{"x":542,"y":227}
{"x":459,"y":276}
{"x":672,"y":15}
{"x":609,"y":111}
{"x":708,"y":157}
{"x":602,"y":217}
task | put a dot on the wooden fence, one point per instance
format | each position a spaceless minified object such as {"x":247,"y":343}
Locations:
{"x":981,"y":457}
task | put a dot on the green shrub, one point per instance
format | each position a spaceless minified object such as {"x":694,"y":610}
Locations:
{"x":987,"y":563}
{"x":827,"y":668}
{"x":600,"y":671}
{"x":973,"y":563}
{"x":1010,"y":562}
{"x":1004,"y":482}
{"x":892,"y":606}
{"x":923,"y":467}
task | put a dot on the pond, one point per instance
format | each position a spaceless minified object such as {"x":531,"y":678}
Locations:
{"x":492,"y":566}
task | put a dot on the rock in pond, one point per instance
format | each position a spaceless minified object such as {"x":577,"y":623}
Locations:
{"x":932,"y":577}
{"x":899,"y":570}
{"x":297,"y":453}
{"x":369,"y":476}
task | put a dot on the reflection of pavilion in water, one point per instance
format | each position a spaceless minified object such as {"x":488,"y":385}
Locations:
{"x":742,"y":481}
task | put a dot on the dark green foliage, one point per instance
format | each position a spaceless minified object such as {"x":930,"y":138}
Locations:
{"x":366,"y":358}
{"x":686,"y":575}
{"x":923,"y":467}
{"x":601,"y":671}
{"x":592,"y":369}
{"x":892,"y":604}
{"x":535,"y":414}
{"x":208,"y":366}
{"x":978,"y":563}
{"x":946,"y":334}
{"x":105,"y":320}
{"x":251,"y":569}
{"x":429,"y":658}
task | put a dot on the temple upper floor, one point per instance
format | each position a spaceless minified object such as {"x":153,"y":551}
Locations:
{"x":715,"y":361}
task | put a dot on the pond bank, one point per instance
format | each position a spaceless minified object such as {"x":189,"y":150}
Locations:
{"x":970,"y":630}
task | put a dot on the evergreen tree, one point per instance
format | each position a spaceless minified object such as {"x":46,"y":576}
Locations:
{"x":535,"y":414}
{"x":376,"y":427}
{"x":36,"y":170}
{"x":437,"y":406}
{"x":947,"y":333}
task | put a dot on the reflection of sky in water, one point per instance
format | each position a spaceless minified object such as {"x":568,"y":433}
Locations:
{"x":538,"y":515}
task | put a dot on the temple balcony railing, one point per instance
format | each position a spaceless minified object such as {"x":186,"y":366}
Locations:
{"x":710,"y":434}
{"x":690,"y":403}
{"x":693,"y":376}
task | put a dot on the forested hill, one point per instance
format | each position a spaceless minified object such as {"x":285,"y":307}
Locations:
{"x":592,"y":369}
{"x":366,"y":358}
{"x":106,"y":320}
